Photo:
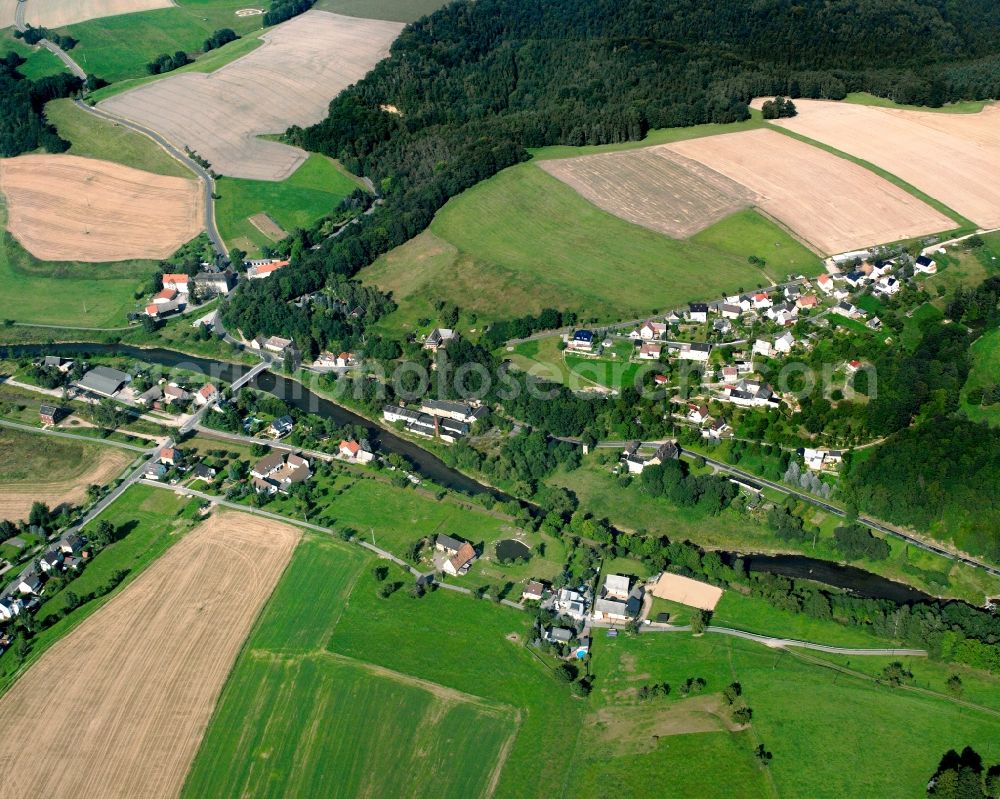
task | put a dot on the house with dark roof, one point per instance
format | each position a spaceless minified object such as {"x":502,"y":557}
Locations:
{"x":277,"y":472}
{"x":202,"y":472}
{"x":49,"y":414}
{"x":925,"y":266}
{"x":281,"y":426}
{"x":698,"y":311}
{"x":438,"y":338}
{"x":103,"y":381}
{"x":447,"y":544}
{"x":582,"y":340}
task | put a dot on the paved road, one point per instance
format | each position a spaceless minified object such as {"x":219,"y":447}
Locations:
{"x":120,"y":489}
{"x":57,"y":51}
{"x":62,"y":434}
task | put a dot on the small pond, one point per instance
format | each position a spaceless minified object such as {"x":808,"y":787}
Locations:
{"x":512,"y":549}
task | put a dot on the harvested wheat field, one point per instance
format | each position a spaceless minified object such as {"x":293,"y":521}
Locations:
{"x":126,"y":696}
{"x":954,"y":158}
{"x":289,"y":80}
{"x":67,"y":208}
{"x":694,"y":593}
{"x":656,"y":188}
{"x":831,"y":203}
{"x":56,"y":13}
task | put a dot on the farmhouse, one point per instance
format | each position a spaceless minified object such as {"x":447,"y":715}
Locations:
{"x":103,"y":381}
{"x":636,"y":462}
{"x":55,"y":362}
{"x":460,"y":562}
{"x":278,"y":472}
{"x":265,"y":270}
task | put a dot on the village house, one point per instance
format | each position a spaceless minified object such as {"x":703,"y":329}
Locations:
{"x":856,"y":279}
{"x":154,"y":471}
{"x":792,"y":292}
{"x":659,"y":380}
{"x":56,"y":362}
{"x":731,"y":312}
{"x":635,"y":462}
{"x":694,"y":351}
{"x":807,"y":301}
{"x":559,"y":635}
{"x":274,"y":344}
{"x":571,"y":604}
{"x":358,"y":451}
{"x":762,"y":347}
{"x":327,"y":360}
{"x":534,"y":591}
{"x":697,"y":413}
{"x":459,"y":555}
{"x":698,"y":311}
{"x":10,"y":607}
{"x":784,"y":343}
{"x":259,"y":271}
{"x":71,"y":544}
{"x":925,"y":266}
{"x":170,"y":456}
{"x":50,"y":561}
{"x":716,"y":430}
{"x":165,"y":297}
{"x":845,"y":309}
{"x":49,"y":414}
{"x":651,"y":330}
{"x":281,"y":426}
{"x":819,"y":459}
{"x":28,"y":582}
{"x":761,"y":301}
{"x":206,"y":395}
{"x":150,"y":397}
{"x":853,"y":366}
{"x":174,"y":393}
{"x":825,"y":283}
{"x":649,"y":351}
{"x":887,"y":286}
{"x":178,"y":282}
{"x":438,"y":338}
{"x":278,"y":472}
{"x":616,"y":586}
{"x":202,"y":472}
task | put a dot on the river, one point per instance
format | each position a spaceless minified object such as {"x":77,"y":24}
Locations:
{"x":858,"y":581}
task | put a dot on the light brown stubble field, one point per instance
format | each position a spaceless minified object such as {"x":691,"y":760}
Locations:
{"x":954,"y":158}
{"x":17,"y":497}
{"x":67,"y":208}
{"x":832,"y":203}
{"x":118,"y":707}
{"x":654,"y":188}
{"x":57,"y":13}
{"x":302,"y":65}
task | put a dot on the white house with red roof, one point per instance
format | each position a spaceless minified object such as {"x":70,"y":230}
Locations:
{"x":177,"y":281}
{"x":265,"y":270}
{"x":825,"y":282}
{"x":761,"y":300}
{"x":206,"y":395}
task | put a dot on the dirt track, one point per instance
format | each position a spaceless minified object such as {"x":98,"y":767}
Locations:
{"x":653,"y":187}
{"x":118,"y":707}
{"x":16,"y":498}
{"x":830,"y":202}
{"x":67,"y":208}
{"x":56,"y":13}
{"x":954,"y":158}
{"x":289,"y":80}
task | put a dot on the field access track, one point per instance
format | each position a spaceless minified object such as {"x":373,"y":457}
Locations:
{"x":954,"y":158}
{"x":118,"y":707}
{"x":289,"y":80}
{"x":832,"y":203}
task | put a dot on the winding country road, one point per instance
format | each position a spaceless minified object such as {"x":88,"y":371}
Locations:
{"x":208,"y":183}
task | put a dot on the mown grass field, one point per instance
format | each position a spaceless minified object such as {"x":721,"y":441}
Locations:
{"x":115,"y":48}
{"x":152,"y":520}
{"x":93,"y":137}
{"x":38,"y":63}
{"x":296,"y":719}
{"x":392,"y":10}
{"x":522,"y":241}
{"x":66,"y":293}
{"x":873,"y":740}
{"x":313,"y":190}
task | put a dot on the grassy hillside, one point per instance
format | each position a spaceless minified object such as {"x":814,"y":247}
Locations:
{"x":522,"y":241}
{"x":985,"y":371}
{"x":313,"y":190}
{"x":65,"y":292}
{"x":115,"y":48}
{"x":39,"y":62}
{"x":93,"y":137}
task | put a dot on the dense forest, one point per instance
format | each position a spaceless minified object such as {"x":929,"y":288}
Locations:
{"x":22,"y":126}
{"x":477,"y":83}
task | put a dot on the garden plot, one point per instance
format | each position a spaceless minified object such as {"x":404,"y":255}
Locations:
{"x":656,"y":188}
{"x":289,"y":80}
{"x":954,"y":158}
{"x":118,"y":707}
{"x":832,"y":203}
{"x":67,"y":208}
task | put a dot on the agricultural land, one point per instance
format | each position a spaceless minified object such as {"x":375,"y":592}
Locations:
{"x":55,"y":471}
{"x":955,"y":158}
{"x":157,"y":654}
{"x":288,"y":81}
{"x":63,"y":207}
{"x":59,"y":13}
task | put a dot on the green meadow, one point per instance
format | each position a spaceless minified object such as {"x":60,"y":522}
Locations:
{"x":522,"y":241}
{"x":312,"y":191}
{"x":39,"y":62}
{"x":985,"y":372}
{"x":91,"y":136}
{"x":67,"y":293}
{"x":296,"y":719}
{"x":119,"y":47}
